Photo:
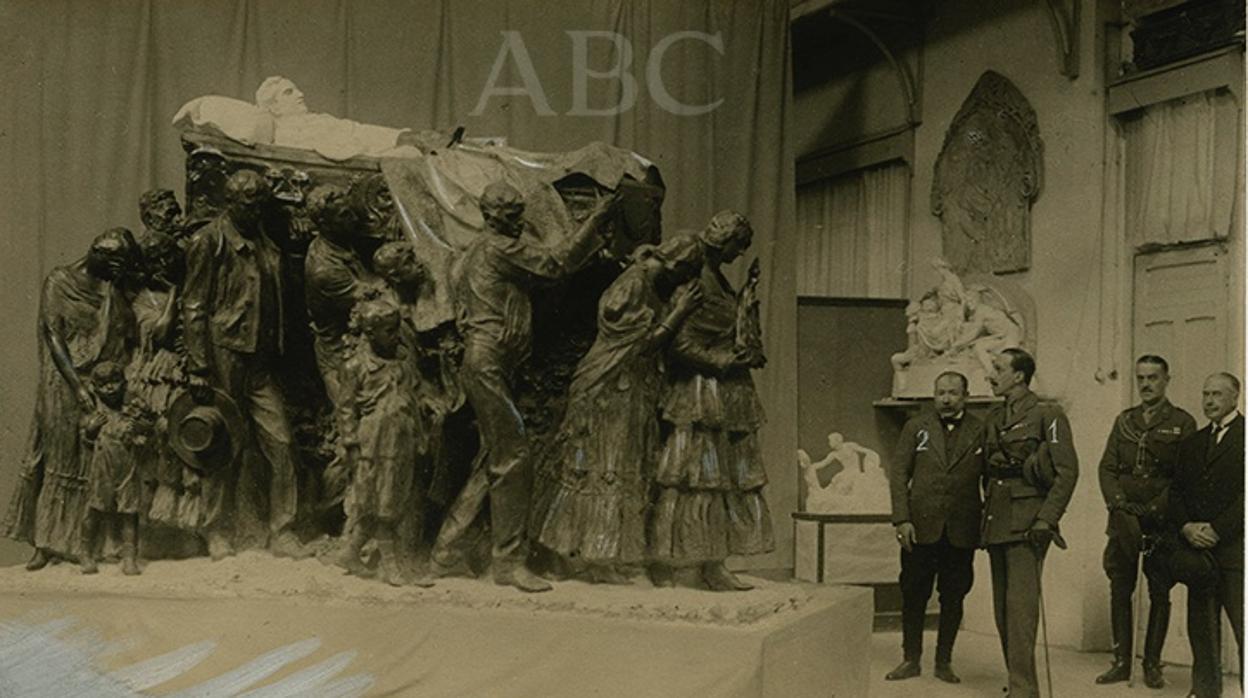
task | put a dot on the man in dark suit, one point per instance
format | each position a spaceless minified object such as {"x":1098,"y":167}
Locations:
{"x":1140,"y":456}
{"x":232,"y":319}
{"x":1032,"y":470}
{"x":935,"y":482}
{"x":1207,"y":508}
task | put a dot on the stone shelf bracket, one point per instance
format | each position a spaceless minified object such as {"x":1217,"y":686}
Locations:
{"x":1064,"y":16}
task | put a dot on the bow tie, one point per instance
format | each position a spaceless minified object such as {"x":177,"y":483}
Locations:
{"x":950,"y":422}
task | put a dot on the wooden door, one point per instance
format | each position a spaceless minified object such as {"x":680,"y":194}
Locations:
{"x":1182,"y":311}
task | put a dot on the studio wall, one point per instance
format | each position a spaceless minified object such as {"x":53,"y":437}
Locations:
{"x":1076,"y":277}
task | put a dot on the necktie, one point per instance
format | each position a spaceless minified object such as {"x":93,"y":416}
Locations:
{"x":1215,"y":435}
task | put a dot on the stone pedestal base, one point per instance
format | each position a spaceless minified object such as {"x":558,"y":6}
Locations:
{"x":303,"y":629}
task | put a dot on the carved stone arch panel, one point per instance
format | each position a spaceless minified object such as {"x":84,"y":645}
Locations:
{"x":989,"y":172}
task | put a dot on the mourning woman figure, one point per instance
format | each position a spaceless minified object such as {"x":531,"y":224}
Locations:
{"x":601,"y":462}
{"x":155,"y":371}
{"x":84,"y":319}
{"x":710,"y":471}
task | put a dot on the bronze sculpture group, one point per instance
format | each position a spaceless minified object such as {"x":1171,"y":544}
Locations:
{"x":161,"y":403}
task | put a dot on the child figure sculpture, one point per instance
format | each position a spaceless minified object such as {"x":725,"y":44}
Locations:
{"x":117,"y":431}
{"x":383,"y":431}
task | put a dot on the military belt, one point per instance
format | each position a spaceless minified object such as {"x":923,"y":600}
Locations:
{"x":1006,"y":473}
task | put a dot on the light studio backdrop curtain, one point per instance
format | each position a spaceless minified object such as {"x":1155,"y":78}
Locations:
{"x":852,"y":233}
{"x":89,"y":88}
{"x":1181,"y":164}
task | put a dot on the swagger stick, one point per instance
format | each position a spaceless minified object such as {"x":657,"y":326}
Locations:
{"x":1044,"y":631}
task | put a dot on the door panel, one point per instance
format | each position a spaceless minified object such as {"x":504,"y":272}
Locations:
{"x":1182,"y":309}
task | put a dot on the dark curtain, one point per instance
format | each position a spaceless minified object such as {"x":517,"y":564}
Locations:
{"x":88,"y":88}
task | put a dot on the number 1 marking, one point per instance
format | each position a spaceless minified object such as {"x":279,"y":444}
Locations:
{"x":1053,"y":432}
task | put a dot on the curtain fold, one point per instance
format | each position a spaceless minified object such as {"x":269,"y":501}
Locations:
{"x":91,"y":86}
{"x":1181,"y":169}
{"x":853,"y":232}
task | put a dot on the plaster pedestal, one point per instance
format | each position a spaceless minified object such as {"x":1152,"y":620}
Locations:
{"x":256,"y":621}
{"x":845,"y":549}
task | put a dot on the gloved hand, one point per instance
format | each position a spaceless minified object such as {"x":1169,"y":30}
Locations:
{"x":1134,"y":508}
{"x":1041,"y":534}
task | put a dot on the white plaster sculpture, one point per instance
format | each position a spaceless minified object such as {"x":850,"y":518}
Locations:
{"x":297,"y":127}
{"x":959,"y":325}
{"x":280,"y":117}
{"x":861,"y":487}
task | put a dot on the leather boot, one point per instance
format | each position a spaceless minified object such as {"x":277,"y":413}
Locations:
{"x":1120,"y":624}
{"x":1155,"y":639}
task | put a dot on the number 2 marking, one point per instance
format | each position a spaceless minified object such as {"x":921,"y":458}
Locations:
{"x":1053,"y":432}
{"x":923,"y":438}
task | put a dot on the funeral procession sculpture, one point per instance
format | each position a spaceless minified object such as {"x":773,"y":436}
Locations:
{"x":341,"y":355}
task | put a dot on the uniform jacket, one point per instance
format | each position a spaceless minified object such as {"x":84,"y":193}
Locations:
{"x":935,"y":485}
{"x":1209,"y":486}
{"x":1140,"y":457}
{"x":1037,"y":441}
{"x":221,"y":294}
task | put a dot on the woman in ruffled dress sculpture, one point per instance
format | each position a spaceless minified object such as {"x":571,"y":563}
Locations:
{"x":599,"y":468}
{"x":710,"y":471}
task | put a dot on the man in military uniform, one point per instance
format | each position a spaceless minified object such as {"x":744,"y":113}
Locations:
{"x":1032,"y":469}
{"x":1135,"y":476}
{"x":939,"y":463}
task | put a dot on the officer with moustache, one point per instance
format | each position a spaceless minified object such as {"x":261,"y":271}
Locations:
{"x":935,"y":483}
{"x":1032,"y":469}
{"x":1140,"y":457}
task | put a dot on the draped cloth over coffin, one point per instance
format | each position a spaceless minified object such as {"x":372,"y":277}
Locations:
{"x":437,"y":195}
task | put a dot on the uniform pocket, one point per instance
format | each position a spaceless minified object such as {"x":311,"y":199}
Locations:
{"x":1025,"y":503}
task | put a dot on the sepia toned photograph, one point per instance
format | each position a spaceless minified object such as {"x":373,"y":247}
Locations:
{"x":622,"y":348}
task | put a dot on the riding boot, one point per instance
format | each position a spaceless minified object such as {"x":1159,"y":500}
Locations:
{"x":1155,"y":639}
{"x":1120,"y":625}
